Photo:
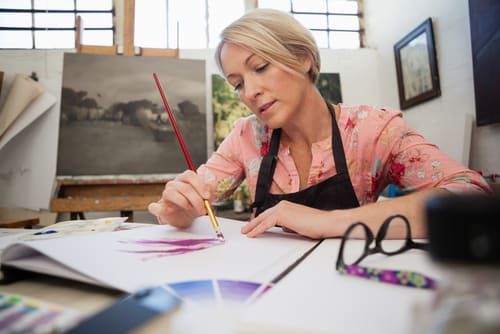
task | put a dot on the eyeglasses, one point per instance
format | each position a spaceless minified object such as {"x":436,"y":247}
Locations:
{"x":353,"y":251}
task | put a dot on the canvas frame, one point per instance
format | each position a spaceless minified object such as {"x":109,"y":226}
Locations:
{"x":417,"y":66}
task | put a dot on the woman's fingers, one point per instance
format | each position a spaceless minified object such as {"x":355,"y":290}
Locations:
{"x":291,"y":217}
{"x":181,"y":200}
{"x":181,"y":195}
{"x":260,"y":224}
{"x":196,"y":182}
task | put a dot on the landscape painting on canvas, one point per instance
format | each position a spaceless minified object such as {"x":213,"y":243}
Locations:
{"x":113,"y":121}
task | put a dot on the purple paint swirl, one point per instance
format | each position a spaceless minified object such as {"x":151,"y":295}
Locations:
{"x":176,"y":242}
{"x":167,"y":247}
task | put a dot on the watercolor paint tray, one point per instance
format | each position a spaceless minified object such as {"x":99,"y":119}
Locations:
{"x":19,"y":314}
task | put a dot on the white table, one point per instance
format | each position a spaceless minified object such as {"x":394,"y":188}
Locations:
{"x":312,"y":298}
{"x":315,"y":298}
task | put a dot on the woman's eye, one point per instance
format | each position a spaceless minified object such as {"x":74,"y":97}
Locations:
{"x":261,"y":68}
{"x":237,"y":86}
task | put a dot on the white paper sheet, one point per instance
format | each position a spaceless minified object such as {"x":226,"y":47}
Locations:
{"x":101,"y":257}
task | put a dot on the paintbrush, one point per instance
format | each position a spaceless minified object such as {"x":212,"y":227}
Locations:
{"x":208,"y":207}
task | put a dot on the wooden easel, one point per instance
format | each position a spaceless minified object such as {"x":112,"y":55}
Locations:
{"x":86,"y":194}
{"x":77,"y":195}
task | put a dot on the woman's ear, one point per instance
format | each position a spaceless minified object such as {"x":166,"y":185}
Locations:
{"x":307,"y":63}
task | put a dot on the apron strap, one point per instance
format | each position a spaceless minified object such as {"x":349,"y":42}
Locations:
{"x":338,"y":148}
{"x":266,"y":169}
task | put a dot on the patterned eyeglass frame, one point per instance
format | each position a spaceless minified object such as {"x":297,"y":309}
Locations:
{"x":398,"y":277}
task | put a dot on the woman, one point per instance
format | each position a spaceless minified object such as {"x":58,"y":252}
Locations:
{"x":311,"y":167}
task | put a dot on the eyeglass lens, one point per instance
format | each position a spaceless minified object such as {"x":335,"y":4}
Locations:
{"x":355,"y":244}
{"x":396,"y":225}
{"x":358,"y":240}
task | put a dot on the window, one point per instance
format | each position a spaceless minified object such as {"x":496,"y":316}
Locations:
{"x":193,"y":24}
{"x":335,"y":24}
{"x":51,"y":24}
{"x":183,"y":24}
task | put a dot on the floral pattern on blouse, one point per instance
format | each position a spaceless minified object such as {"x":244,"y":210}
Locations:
{"x":380,"y":148}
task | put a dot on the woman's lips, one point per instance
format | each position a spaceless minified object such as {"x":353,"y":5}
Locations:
{"x":263,"y":108}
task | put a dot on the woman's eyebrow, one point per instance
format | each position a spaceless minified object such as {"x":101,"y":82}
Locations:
{"x":247,"y":60}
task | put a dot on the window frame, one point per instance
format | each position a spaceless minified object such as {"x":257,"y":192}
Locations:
{"x":76,"y":12}
{"x":328,"y":14}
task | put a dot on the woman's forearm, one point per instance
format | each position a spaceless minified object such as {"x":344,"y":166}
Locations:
{"x":412,"y":206}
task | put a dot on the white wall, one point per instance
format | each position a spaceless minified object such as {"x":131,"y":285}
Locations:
{"x":442,"y":120}
{"x":28,"y":161}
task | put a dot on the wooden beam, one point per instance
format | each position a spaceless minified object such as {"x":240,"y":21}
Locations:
{"x":98,"y":49}
{"x":128,"y":28}
{"x":87,"y":204}
{"x":117,"y":190}
{"x":155,"y":52}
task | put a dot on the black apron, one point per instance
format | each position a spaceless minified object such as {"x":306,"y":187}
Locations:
{"x":333,"y":193}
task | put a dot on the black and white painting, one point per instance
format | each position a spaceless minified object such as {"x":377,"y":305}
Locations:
{"x":113,"y":121}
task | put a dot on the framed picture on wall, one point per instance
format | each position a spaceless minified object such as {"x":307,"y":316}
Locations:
{"x":416,"y":66}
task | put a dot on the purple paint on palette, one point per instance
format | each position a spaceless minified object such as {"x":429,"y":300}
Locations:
{"x":13,"y":317}
{"x":41,"y":320}
{"x":238,"y":291}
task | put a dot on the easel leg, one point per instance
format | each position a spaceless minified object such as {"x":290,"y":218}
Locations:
{"x":129,"y":214}
{"x":76,"y":215}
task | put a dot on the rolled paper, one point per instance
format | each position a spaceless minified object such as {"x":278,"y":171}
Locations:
{"x":22,"y":92}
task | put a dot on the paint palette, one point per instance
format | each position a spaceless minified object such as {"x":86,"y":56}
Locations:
{"x":212,"y":305}
{"x":75,"y":227}
{"x":220,"y":293}
{"x":27,"y":315}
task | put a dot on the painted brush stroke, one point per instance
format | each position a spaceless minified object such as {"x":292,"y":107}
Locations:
{"x":169,"y":247}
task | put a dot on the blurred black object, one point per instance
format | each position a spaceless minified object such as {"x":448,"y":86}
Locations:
{"x":464,"y":229}
{"x":129,"y":312}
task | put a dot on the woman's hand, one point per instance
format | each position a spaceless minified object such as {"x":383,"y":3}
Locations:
{"x":293,"y":217}
{"x":182,"y":200}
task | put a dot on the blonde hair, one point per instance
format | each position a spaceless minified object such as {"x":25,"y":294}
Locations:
{"x":276,"y":37}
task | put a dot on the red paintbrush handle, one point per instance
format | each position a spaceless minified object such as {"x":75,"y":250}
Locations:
{"x":174,"y":124}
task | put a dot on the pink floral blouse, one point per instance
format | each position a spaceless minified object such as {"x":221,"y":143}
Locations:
{"x":380,"y":148}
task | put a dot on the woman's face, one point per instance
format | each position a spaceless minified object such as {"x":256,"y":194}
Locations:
{"x":271,"y":93}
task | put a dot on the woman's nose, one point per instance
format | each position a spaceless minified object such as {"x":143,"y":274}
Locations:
{"x":252,"y":89}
